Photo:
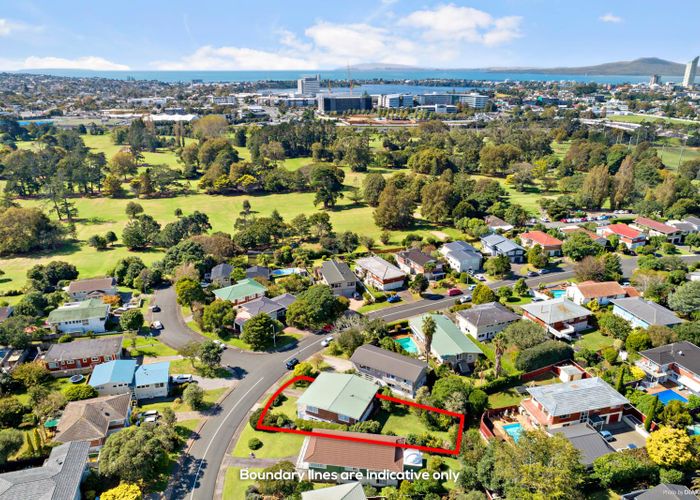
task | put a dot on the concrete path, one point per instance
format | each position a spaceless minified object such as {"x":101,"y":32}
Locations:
{"x":338,"y":364}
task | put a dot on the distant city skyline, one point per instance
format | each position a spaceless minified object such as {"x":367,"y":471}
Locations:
{"x":312,"y":35}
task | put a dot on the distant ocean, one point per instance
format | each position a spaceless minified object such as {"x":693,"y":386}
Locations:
{"x":341,"y":74}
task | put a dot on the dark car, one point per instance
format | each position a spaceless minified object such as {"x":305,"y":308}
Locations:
{"x":291,"y":363}
{"x":155,"y":308}
{"x":531,"y":274}
{"x":393,"y":299}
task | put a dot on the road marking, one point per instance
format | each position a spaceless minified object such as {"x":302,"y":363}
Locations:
{"x":199,"y":469}
{"x":302,"y":350}
{"x":438,"y":302}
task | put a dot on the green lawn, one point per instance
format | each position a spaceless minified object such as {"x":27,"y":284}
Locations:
{"x":210,"y":397}
{"x":594,"y":341}
{"x":404,"y":423}
{"x":509,"y":397}
{"x":647,"y":118}
{"x":234,"y":486}
{"x":150,"y":347}
{"x":671,"y":155}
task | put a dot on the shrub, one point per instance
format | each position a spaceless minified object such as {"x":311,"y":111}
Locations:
{"x":63,"y":339}
{"x":368,"y":426}
{"x":624,"y":469}
{"x":78,"y":392}
{"x":546,"y":353}
{"x":671,"y":476}
{"x":254,"y":444}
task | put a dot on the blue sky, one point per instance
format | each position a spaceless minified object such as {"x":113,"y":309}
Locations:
{"x":306,"y":34}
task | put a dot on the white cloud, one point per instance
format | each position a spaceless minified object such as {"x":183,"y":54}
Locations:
{"x":87,"y":62}
{"x":8,"y":27}
{"x":453,"y":23}
{"x":610,"y":18}
{"x":234,"y":58}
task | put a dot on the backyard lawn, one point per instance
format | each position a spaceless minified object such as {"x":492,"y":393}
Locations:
{"x":210,"y":397}
{"x":403,"y":423}
{"x":595,"y":341}
{"x":508,"y":397}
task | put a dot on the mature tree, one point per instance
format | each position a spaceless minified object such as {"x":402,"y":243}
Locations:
{"x":623,"y":184}
{"x":686,"y":298}
{"x":520,"y":287}
{"x":210,"y":126}
{"x":189,"y":351}
{"x":348,"y":340}
{"x":497,"y":266}
{"x":315,"y":307}
{"x":286,"y":486}
{"x":131,"y":320}
{"x":430,"y":160}
{"x":125,"y":491}
{"x":188,"y":292}
{"x":675,"y":414}
{"x":193,"y":395}
{"x":596,"y":187}
{"x":524,"y":334}
{"x":483,"y":294}
{"x":140,"y":232}
{"x":372,"y":187}
{"x":327,"y":181}
{"x":395,"y":209}
{"x":11,"y":441}
{"x":624,"y":469}
{"x":419,"y":283}
{"x":11,"y":412}
{"x":499,"y":347}
{"x":133,"y":209}
{"x":135,"y":453}
{"x":210,"y":354}
{"x":637,"y":340}
{"x":537,"y":257}
{"x":31,"y":374}
{"x":543,"y":354}
{"x":579,"y":245}
{"x":437,"y":201}
{"x":218,"y":317}
{"x":258,"y":331}
{"x":428,"y":327}
{"x":614,"y":326}
{"x":23,"y":230}
{"x":669,"y":447}
{"x":590,"y":269}
{"x":496,"y":159}
{"x":123,"y":164}
{"x":78,"y":392}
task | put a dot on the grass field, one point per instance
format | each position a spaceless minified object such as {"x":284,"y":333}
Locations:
{"x":671,"y":155}
{"x":647,"y":118}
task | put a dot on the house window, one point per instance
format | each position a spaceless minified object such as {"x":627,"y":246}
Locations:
{"x":343,"y":418}
{"x":317,"y":466}
{"x":312,"y":409}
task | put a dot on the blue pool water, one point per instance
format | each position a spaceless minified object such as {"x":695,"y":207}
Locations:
{"x":558,"y":293}
{"x":514,"y":430}
{"x":669,"y":395}
{"x":694,"y":430}
{"x":408,"y":344}
{"x":287,"y":271}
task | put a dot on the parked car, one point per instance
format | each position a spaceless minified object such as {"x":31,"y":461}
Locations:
{"x":154,"y":308}
{"x":537,"y":299}
{"x":531,"y":274}
{"x":607,"y":435}
{"x":480,"y":277}
{"x":221,"y":344}
{"x":393,"y":299}
{"x":472,"y":287}
{"x":291,"y":363}
{"x":182,"y":379}
{"x":327,"y":341}
{"x":150,"y":413}
{"x":157,"y":325}
{"x":454,"y":291}
{"x":543,"y":271}
{"x":356,"y":296}
{"x":150,"y":420}
{"x":464,"y":299}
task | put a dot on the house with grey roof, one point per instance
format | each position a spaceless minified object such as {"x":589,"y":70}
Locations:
{"x":497,"y":224}
{"x":560,"y":317}
{"x":461,"y":256}
{"x":276,"y":308}
{"x":495,"y":245}
{"x":58,"y":479}
{"x":586,"y":440}
{"x":678,"y":362}
{"x":258,"y":272}
{"x":338,"y":276}
{"x":663,"y":491}
{"x":70,"y":358}
{"x":582,"y":400}
{"x":93,"y":288}
{"x":642,"y":313}
{"x":221,"y":274}
{"x":340,"y":398}
{"x":402,"y":374}
{"x":415,"y":261}
{"x":380,"y":274}
{"x":450,"y":346}
{"x":484,"y":321}
{"x":348,"y":491}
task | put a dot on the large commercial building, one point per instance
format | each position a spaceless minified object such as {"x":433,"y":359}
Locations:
{"x":342,"y":103}
{"x":473,"y":100}
{"x":396,"y":101}
{"x":309,"y":85}
{"x":691,"y":70}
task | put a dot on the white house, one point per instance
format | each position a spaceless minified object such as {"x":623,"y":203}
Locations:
{"x":80,"y":317}
{"x":461,"y":256}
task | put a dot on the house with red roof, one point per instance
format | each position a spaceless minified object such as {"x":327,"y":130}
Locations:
{"x":550,"y":244}
{"x":586,"y":291}
{"x":569,"y":230}
{"x":629,"y":237}
{"x":655,"y":228}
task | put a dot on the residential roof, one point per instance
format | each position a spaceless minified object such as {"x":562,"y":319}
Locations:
{"x":152,"y":373}
{"x":684,"y":226}
{"x":58,"y":479}
{"x":576,"y":396}
{"x":493,"y":222}
{"x":349,"y":491}
{"x":343,"y":453}
{"x":78,"y":311}
{"x":594,"y":289}
{"x":501,"y":243}
{"x":81,"y":349}
{"x":649,"y":312}
{"x":262,"y":305}
{"x":285,"y":300}
{"x":623,"y":230}
{"x":447,"y":340}
{"x":459,"y":246}
{"x":222,"y":270}
{"x":683,"y":353}
{"x":117,"y":371}
{"x":386,"y":361}
{"x":415,"y":255}
{"x":379,"y":267}
{"x":340,"y":393}
{"x":491,"y":313}
{"x":244,"y":288}
{"x":5,"y":312}
{"x":695,"y":221}
{"x":556,"y":310}
{"x":258,"y":272}
{"x":585,"y":439}
{"x":577,"y":229}
{"x":91,"y":285}
{"x":334,"y":271}
{"x":666,"y":491}
{"x":655,"y":225}
{"x":541,"y":238}
{"x":89,"y":420}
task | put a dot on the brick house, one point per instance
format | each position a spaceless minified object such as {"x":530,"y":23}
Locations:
{"x":586,"y":291}
{"x":560,"y":317}
{"x":71,"y":358}
{"x":629,"y":237}
{"x":549,"y":244}
{"x":339,"y":398}
{"x":577,"y":401}
{"x":678,"y":362}
{"x":414,"y":261}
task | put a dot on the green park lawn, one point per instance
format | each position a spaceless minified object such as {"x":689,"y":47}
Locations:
{"x":647,"y":118}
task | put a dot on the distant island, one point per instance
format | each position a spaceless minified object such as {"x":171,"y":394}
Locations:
{"x":379,"y":66}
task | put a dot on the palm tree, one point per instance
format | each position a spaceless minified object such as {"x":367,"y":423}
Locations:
{"x":499,"y":346}
{"x":428,"y":333}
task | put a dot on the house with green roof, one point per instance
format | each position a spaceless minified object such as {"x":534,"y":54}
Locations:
{"x":80,"y":317}
{"x":339,"y":398}
{"x":450,"y":346}
{"x":243,"y":291}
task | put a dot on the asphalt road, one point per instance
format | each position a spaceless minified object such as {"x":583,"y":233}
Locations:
{"x":257,"y":372}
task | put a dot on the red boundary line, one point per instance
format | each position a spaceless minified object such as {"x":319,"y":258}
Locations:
{"x":455,"y":451}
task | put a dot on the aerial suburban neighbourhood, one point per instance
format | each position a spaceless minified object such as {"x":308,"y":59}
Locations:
{"x":390,"y":250}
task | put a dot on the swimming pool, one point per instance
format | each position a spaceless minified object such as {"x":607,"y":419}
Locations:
{"x":670,"y":395}
{"x":694,"y":430}
{"x":287,"y":271}
{"x":408,"y":344}
{"x":558,"y":293}
{"x":514,"y":430}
